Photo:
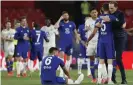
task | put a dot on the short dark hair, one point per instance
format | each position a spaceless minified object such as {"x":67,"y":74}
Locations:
{"x":36,"y":25}
{"x":92,"y":8}
{"x":23,"y":17}
{"x":105,"y":7}
{"x":17,"y":21}
{"x":64,"y":12}
{"x":52,"y":49}
{"x":114,"y":2}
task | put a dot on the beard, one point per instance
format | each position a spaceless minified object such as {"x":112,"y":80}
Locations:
{"x":65,"y":20}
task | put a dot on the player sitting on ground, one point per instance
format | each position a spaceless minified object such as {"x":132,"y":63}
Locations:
{"x":49,"y":67}
{"x":106,"y":44}
{"x":37,"y":37}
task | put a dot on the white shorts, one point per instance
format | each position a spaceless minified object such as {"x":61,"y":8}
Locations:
{"x":46,"y":49}
{"x":9,"y":50}
{"x":91,"y":49}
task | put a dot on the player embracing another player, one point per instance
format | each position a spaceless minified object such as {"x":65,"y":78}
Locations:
{"x":106,"y":44}
{"x":22,"y":48}
{"x":37,"y":37}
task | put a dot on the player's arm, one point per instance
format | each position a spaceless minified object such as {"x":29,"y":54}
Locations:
{"x":17,"y":35}
{"x":93,"y":34}
{"x":95,"y":30}
{"x":45,"y":37}
{"x":57,"y":24}
{"x":2,"y":35}
{"x":64,"y":69}
{"x":77,"y":36}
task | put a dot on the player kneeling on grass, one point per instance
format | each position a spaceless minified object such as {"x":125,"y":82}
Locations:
{"x":48,"y":70}
{"x":106,"y":44}
{"x":37,"y":37}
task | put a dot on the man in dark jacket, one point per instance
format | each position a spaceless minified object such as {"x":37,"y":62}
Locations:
{"x":119,"y":38}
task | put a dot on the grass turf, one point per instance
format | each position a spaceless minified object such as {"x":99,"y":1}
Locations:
{"x":35,"y":80}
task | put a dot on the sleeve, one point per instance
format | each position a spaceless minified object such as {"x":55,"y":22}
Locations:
{"x":17,"y":35}
{"x":55,"y":30}
{"x":98,"y":20}
{"x":87,"y":22}
{"x":122,"y":18}
{"x":44,"y":36}
{"x":113,"y":18}
{"x":61,"y":63}
{"x":43,"y":28}
{"x":2,"y":33}
{"x":13,"y":33}
{"x":74,"y":26}
{"x":79,"y":29}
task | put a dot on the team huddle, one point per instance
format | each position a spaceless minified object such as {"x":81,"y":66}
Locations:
{"x":95,"y":38}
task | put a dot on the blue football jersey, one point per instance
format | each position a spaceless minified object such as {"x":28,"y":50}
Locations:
{"x":37,"y":38}
{"x":82,"y":32}
{"x":105,"y":33}
{"x":49,"y":67}
{"x":66,"y":31}
{"x":20,"y":33}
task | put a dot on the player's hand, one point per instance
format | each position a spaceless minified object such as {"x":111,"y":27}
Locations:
{"x":26,"y":38}
{"x":99,"y":25}
{"x":130,"y":34}
{"x":47,"y":40}
{"x":61,"y":18}
{"x":106,"y":18}
{"x":77,"y":41}
{"x":84,"y":43}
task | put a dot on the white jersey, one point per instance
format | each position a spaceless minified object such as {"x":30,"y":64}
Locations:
{"x":8,"y":45}
{"x":90,"y":24}
{"x":51,"y":33}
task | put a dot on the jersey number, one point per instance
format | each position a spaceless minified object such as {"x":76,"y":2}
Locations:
{"x":67,"y":31}
{"x":48,"y":61}
{"x":104,"y":27}
{"x":38,"y":37}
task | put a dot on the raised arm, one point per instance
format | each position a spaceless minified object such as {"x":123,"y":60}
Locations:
{"x":57,"y":24}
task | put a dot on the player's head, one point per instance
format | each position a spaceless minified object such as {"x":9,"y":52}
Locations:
{"x":93,"y":12}
{"x":23,"y":21}
{"x":113,"y":6}
{"x":53,"y":51}
{"x":65,"y":15}
{"x":36,"y":26}
{"x":105,"y":7}
{"x":17,"y":24}
{"x":48,"y":22}
{"x":8,"y":24}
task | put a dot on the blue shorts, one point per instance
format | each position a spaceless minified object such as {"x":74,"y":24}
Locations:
{"x":58,"y":80}
{"x":36,"y":53}
{"x":106,"y":50}
{"x":67,"y":49}
{"x":82,"y":53}
{"x":21,"y":52}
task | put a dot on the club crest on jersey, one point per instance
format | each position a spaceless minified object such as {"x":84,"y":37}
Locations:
{"x":70,"y":25}
{"x":27,"y":30}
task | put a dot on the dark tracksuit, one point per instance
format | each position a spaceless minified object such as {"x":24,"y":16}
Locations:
{"x":120,"y":41}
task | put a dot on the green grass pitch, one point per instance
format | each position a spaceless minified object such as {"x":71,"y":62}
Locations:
{"x":35,"y":80}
